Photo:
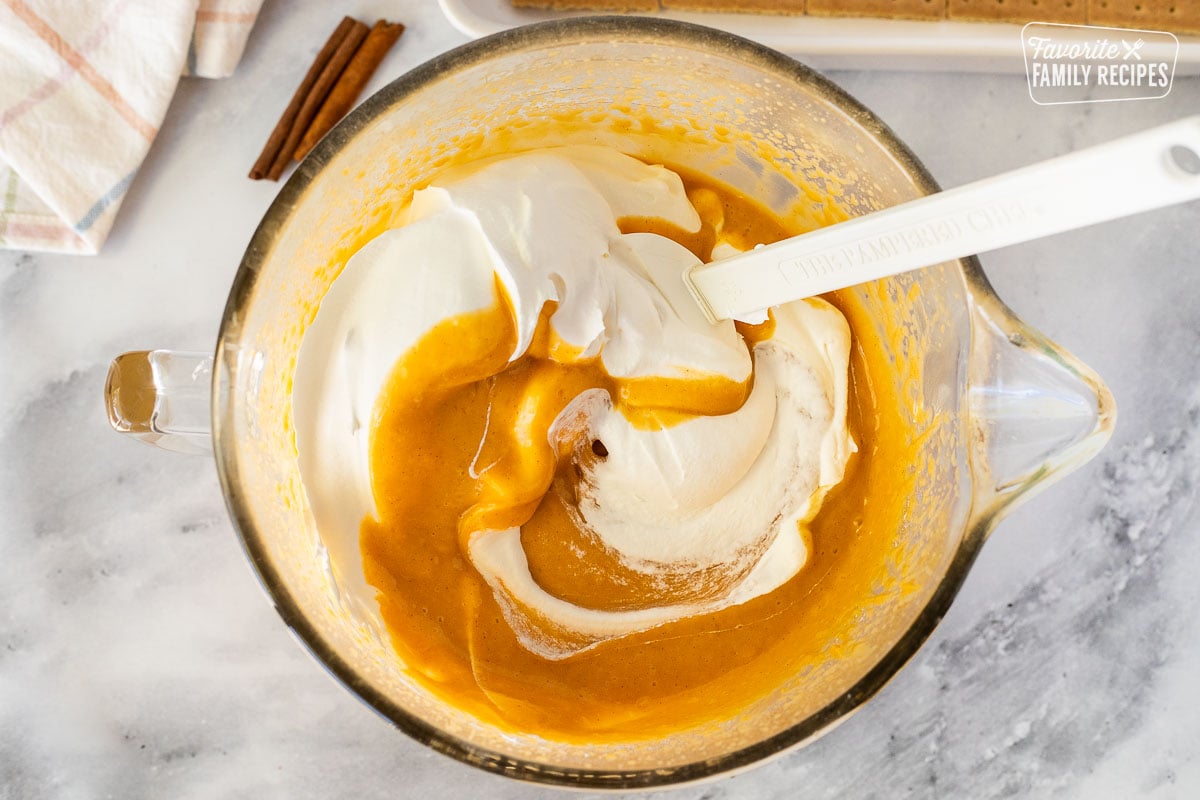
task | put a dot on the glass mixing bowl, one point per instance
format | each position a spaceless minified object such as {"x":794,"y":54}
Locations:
{"x":996,"y":411}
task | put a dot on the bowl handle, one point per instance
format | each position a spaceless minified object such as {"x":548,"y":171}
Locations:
{"x":162,"y":397}
{"x":1036,"y":412}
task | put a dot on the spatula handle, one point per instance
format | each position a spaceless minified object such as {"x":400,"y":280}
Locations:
{"x":1151,"y":169}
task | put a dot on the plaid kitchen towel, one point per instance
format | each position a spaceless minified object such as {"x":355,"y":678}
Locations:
{"x":219,"y":37}
{"x":83,"y":88}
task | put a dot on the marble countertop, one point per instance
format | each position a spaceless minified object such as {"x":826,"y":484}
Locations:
{"x":139,"y":657}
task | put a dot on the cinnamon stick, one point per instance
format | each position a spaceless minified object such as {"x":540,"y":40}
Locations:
{"x":319,"y":91}
{"x":351,"y":83}
{"x":287,"y":121}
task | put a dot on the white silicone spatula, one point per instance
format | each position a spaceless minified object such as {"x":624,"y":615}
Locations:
{"x":1151,"y":169}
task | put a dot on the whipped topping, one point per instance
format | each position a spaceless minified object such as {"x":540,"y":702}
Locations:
{"x":722,"y":498}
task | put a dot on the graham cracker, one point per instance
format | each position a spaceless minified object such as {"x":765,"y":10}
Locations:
{"x":891,"y":9}
{"x":1179,"y":16}
{"x":590,"y":5}
{"x":1021,"y":11}
{"x":787,"y":7}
